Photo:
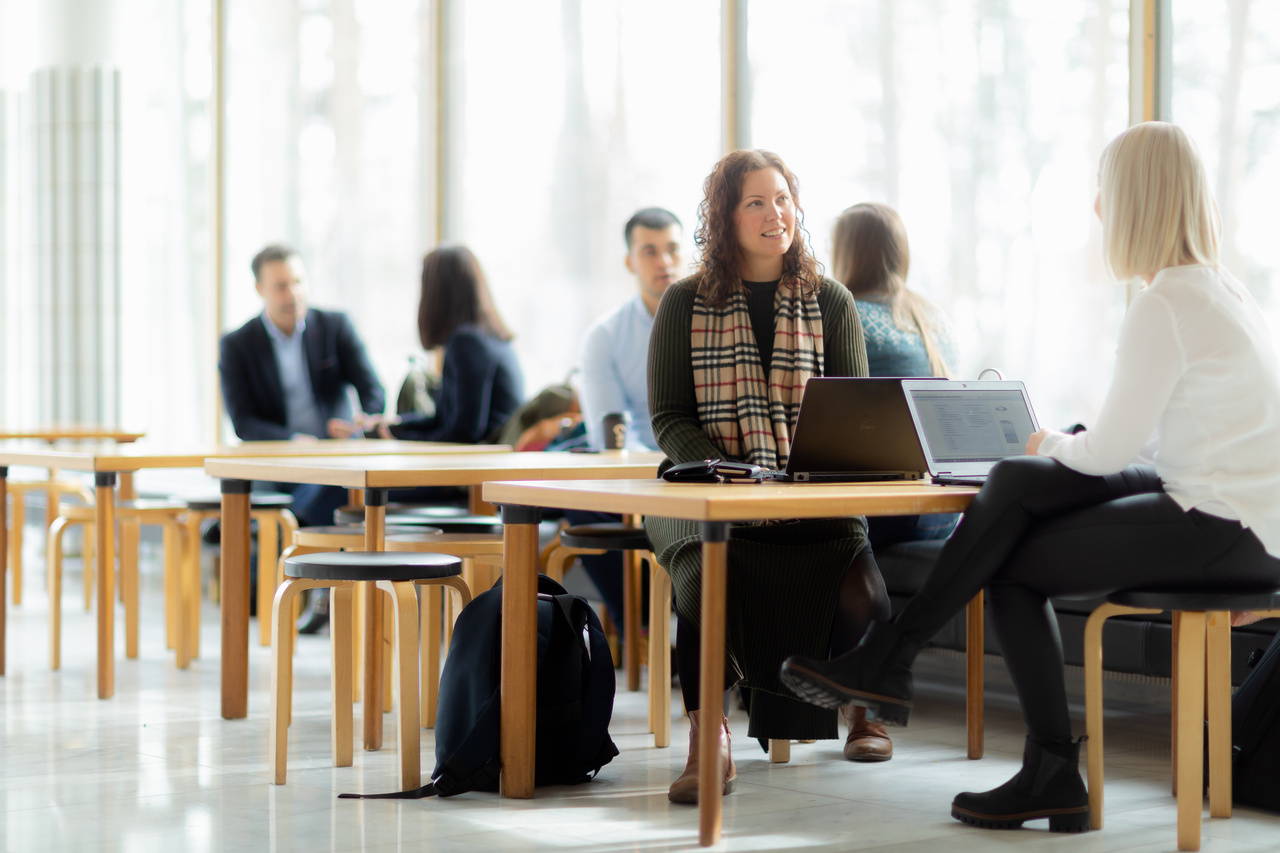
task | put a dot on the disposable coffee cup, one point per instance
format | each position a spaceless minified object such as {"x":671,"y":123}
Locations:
{"x":615,"y":426}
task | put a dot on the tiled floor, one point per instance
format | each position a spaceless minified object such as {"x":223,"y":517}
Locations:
{"x":156,"y":769}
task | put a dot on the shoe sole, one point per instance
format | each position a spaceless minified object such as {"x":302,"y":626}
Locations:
{"x":1060,"y":820}
{"x":869,"y":757}
{"x":819,"y":690}
{"x":691,"y":798}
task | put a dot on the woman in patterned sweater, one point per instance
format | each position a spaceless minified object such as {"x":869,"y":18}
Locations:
{"x":730,"y":351}
{"x":905,"y":334}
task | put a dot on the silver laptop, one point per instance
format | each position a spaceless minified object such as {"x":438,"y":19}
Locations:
{"x":965,"y":427}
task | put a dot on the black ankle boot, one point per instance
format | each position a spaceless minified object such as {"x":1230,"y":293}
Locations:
{"x":1048,"y":785}
{"x":876,"y":675}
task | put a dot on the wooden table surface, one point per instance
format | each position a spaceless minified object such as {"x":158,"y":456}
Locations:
{"x":73,"y":433}
{"x":375,"y":474}
{"x":111,"y":462}
{"x":713,"y":504}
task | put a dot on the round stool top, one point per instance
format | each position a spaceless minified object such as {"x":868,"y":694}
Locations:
{"x":257,"y":500}
{"x":358,"y":530}
{"x":1204,"y":599}
{"x":466,"y":524}
{"x":612,"y":536}
{"x":372,"y":566}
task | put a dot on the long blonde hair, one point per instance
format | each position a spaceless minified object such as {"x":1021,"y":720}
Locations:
{"x":870,"y":256}
{"x":1157,"y":208}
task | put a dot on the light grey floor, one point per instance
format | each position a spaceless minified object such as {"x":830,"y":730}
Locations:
{"x":157,"y":769}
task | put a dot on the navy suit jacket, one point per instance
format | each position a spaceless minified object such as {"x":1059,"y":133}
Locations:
{"x":251,"y":376}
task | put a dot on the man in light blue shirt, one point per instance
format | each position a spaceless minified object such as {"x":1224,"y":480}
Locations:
{"x":615,"y":352}
{"x":615,"y":358}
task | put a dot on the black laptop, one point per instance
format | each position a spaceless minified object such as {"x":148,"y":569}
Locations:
{"x":965,"y":427}
{"x":853,"y":430}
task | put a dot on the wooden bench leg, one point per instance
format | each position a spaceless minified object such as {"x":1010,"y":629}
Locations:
{"x":17,"y":518}
{"x":429,"y":654}
{"x":130,"y":534}
{"x":268,"y":554}
{"x":1218,"y":695}
{"x":342,"y":732}
{"x":975,"y":658}
{"x":404,"y":607}
{"x":779,"y":751}
{"x":659,"y":654}
{"x":282,"y":678}
{"x":53,"y":561}
{"x":632,"y":624}
{"x":1190,"y":730}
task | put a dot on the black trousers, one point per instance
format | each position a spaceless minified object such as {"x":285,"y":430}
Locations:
{"x":1038,"y":530}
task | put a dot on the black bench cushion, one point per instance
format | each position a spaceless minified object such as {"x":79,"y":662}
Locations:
{"x":257,"y":500}
{"x":607,"y":536}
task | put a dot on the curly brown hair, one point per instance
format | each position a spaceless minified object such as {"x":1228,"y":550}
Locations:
{"x":716,"y":237}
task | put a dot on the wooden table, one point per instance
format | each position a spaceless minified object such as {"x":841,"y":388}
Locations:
{"x":110,"y":462}
{"x":376,"y":475}
{"x":55,"y":433}
{"x":716,"y":505}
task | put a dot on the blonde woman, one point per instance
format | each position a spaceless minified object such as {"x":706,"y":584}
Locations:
{"x":1178,"y":483}
{"x":905,"y":334}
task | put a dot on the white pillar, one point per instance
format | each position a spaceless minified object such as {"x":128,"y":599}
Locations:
{"x":75,"y":117}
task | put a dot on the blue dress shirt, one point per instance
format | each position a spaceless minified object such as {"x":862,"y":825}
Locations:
{"x":615,"y":360}
{"x":302,"y":413}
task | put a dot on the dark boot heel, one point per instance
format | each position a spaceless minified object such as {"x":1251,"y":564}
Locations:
{"x":1077,"y":822}
{"x":889,"y":713}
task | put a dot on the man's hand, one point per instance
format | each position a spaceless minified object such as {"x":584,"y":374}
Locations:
{"x":1245,"y":617}
{"x":303,"y":438}
{"x":338,"y":428}
{"x":381,"y":423}
{"x":1037,"y":438}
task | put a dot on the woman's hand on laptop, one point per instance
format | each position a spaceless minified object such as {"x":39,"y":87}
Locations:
{"x":1033,"y":443}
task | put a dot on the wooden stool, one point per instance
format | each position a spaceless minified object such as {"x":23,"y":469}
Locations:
{"x":632,"y":541}
{"x":53,"y":490}
{"x":395,"y":574}
{"x":1201,"y":681}
{"x":275,"y":525}
{"x":176,"y":546}
{"x":481,"y":555}
{"x":341,"y":537}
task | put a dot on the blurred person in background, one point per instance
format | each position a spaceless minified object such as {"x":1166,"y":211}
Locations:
{"x":905,"y":334}
{"x":615,"y":354}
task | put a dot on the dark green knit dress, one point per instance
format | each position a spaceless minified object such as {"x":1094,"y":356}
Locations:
{"x":783,"y":577}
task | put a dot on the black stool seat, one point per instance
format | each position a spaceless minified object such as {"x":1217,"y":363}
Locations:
{"x":1204,"y":599}
{"x":475,"y":524}
{"x":373,"y":566}
{"x":358,"y":529}
{"x":613,"y":536}
{"x":257,"y":500}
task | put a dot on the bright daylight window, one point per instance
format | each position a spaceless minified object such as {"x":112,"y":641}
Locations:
{"x":982,"y":124}
{"x":1226,"y":93}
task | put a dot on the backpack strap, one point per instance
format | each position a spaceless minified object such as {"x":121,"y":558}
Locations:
{"x":456,"y":778}
{"x":428,"y":790}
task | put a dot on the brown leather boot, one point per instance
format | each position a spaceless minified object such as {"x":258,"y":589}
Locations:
{"x":866,"y":741}
{"x":685,"y":789}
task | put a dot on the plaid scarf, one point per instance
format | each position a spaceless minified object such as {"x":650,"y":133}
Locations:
{"x":745,"y":419}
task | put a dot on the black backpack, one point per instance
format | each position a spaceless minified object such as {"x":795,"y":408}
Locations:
{"x":1255,"y":732}
{"x":575,"y":697}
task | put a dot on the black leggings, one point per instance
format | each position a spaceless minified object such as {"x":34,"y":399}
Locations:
{"x":862,"y":600}
{"x":1038,"y":530}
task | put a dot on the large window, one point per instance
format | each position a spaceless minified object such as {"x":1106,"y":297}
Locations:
{"x":575,"y":113}
{"x":1226,"y":93}
{"x":982,"y":124}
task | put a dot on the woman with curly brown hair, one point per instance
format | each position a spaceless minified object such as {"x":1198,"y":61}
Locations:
{"x":731,"y":349}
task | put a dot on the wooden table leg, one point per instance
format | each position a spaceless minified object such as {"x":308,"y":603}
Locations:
{"x":375,"y":512}
{"x":632,"y":622}
{"x":235,"y":598}
{"x":105,"y":524}
{"x":519,"y":649}
{"x":975,"y":654}
{"x":715,"y":558}
{"x":4,"y":559}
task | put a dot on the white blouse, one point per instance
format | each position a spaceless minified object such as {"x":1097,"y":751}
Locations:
{"x":1196,"y":391}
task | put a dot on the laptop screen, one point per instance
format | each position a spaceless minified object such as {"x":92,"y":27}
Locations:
{"x":974,"y":424}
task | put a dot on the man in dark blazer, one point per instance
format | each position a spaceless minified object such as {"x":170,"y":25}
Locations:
{"x":284,"y":377}
{"x":285,"y":372}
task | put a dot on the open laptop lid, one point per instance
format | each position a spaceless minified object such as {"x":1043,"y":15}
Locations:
{"x":965,"y":427}
{"x":855,"y":428}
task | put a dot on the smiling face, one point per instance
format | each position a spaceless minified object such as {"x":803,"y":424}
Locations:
{"x":765,"y":223}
